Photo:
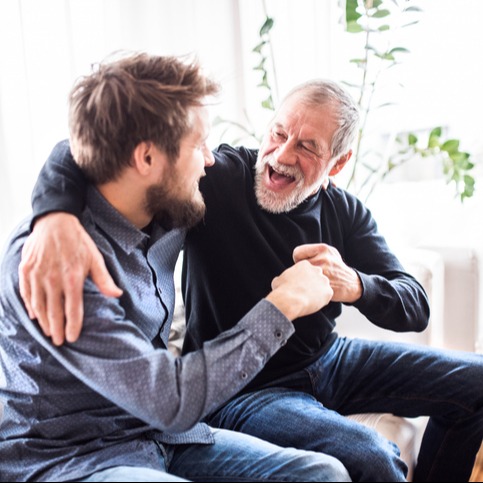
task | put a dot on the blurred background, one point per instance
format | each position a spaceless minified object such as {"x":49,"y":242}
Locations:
{"x":435,"y":81}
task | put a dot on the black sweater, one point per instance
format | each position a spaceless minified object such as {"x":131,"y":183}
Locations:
{"x":232,"y":256}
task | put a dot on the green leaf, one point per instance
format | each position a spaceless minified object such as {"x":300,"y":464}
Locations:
{"x":268,"y":103}
{"x":410,"y":23}
{"x":353,"y":27}
{"x":458,"y":156}
{"x":385,"y":56}
{"x":261,"y":65}
{"x":412,"y":139}
{"x":437,"y":131}
{"x":267,"y":26}
{"x":384,"y":28}
{"x":386,"y":104}
{"x":451,"y":146}
{"x":259,"y":47}
{"x":381,"y":13}
{"x":399,"y":49}
{"x":413,"y":9}
{"x":351,"y":13}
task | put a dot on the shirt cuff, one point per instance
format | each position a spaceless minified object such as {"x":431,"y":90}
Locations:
{"x":268,"y":326}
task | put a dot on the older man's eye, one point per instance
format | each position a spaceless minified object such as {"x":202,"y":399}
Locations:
{"x":309,"y":150}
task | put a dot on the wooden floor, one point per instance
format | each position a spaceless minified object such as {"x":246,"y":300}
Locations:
{"x":477,"y":474}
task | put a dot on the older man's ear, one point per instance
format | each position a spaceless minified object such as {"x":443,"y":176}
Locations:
{"x":339,"y":164}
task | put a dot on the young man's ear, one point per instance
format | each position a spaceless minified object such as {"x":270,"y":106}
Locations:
{"x":143,"y":157}
{"x":340,"y":163}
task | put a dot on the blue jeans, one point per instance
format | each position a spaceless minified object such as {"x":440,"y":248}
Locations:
{"x":305,"y":409}
{"x":233,"y":457}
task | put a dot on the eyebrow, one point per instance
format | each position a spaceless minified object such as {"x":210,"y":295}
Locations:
{"x":311,"y":142}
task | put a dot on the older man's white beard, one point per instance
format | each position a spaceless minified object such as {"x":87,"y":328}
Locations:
{"x":274,"y":202}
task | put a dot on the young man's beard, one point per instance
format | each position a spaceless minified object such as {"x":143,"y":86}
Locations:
{"x":170,"y":210}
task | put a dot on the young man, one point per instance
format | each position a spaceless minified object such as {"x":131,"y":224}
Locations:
{"x":270,"y":207}
{"x":116,"y":405}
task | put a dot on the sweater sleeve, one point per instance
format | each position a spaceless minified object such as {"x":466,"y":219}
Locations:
{"x":392,"y":299}
{"x":61,"y":185}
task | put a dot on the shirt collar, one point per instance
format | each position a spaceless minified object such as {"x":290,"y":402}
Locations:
{"x":109,"y":220}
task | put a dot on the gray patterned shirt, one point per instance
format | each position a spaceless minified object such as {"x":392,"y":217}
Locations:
{"x":108,"y":399}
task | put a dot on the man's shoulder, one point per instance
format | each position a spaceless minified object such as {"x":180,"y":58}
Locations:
{"x":12,"y":249}
{"x":240,"y":156}
{"x":11,"y":256}
{"x":343,"y":200}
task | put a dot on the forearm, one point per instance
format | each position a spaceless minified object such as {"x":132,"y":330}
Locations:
{"x":398,"y":303}
{"x":61,"y":185}
{"x":113,"y":358}
{"x":174,"y":394}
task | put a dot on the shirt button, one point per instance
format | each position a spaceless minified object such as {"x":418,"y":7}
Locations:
{"x":244,"y":375}
{"x":278,"y":334}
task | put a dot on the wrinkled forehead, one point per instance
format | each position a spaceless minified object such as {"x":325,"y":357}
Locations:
{"x":298,"y":116}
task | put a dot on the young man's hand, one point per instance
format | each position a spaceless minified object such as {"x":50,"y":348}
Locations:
{"x":56,"y":259}
{"x":300,"y":290}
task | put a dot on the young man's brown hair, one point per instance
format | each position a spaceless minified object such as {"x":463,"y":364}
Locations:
{"x":123,"y":102}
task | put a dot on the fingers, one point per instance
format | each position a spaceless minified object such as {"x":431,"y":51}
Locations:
{"x":74,"y":309}
{"x":54,"y":310}
{"x":25,"y":290}
{"x":48,"y":308}
{"x":99,"y":274}
{"x":37,"y":303}
{"x":308,"y":251}
{"x":275,"y":283}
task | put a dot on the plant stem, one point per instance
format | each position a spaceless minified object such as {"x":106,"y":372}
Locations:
{"x":272,"y":58}
{"x":361,"y":98}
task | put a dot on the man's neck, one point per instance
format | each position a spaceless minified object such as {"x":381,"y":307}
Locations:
{"x":128,"y":200}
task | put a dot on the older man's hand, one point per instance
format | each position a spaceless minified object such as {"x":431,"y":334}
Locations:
{"x":56,"y":259}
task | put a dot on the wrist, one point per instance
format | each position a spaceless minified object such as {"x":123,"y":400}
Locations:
{"x":285,"y":302}
{"x":53,"y":215}
{"x":355,"y":289}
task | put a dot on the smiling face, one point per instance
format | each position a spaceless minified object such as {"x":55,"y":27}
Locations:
{"x":295,"y":158}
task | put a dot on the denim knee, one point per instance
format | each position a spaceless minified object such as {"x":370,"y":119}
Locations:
{"x":375,"y":458}
{"x":319,"y":467}
{"x":336,"y":472}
